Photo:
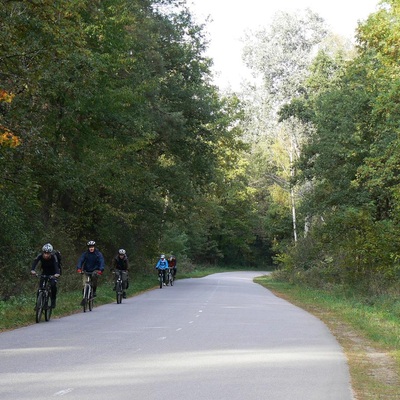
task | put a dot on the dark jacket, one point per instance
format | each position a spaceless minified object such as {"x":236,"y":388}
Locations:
{"x":49,"y":266}
{"x":120,"y":263}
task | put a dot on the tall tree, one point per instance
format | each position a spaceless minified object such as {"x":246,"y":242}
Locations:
{"x":120,"y":129}
{"x":280,"y":58}
{"x":351,"y":158}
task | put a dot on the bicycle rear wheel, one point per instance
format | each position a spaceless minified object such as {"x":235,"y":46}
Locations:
{"x":171,"y":279}
{"x":91,"y":301}
{"x":39,"y":306}
{"x":48,"y":309}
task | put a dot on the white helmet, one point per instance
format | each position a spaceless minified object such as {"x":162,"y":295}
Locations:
{"x":122,"y":251}
{"x":47,"y":248}
{"x":162,"y":255}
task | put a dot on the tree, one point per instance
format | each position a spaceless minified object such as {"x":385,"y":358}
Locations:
{"x":280,"y":58}
{"x":351,"y":159}
{"x":120,"y":132}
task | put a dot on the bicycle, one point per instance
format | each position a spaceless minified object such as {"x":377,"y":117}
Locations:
{"x":160,"y":277}
{"x":170,"y":277}
{"x":88,"y":298}
{"x":119,"y":286}
{"x":43,"y":298}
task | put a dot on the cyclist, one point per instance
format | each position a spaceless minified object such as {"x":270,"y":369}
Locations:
{"x":49,"y":264}
{"x":90,"y":261}
{"x":162,"y":265}
{"x":172,"y":264}
{"x":120,"y":262}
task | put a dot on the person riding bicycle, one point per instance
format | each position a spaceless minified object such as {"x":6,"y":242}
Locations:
{"x":90,"y":261}
{"x":162,"y":266}
{"x":120,"y":262}
{"x":172,"y":264}
{"x":49,"y":264}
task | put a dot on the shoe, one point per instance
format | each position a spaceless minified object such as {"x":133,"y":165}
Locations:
{"x":164,"y":284}
{"x":83,"y":302}
{"x":124,"y":295}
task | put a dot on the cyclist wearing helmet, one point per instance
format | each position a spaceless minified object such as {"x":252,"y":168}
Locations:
{"x":162,"y":265}
{"x":172,"y":264}
{"x":49,"y":264}
{"x":90,"y":261}
{"x":120,"y":262}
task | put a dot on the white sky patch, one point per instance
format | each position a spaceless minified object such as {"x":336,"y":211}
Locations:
{"x":230,"y":19}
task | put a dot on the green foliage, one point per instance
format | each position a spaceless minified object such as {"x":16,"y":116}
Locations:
{"x":349,"y":163}
{"x":117,"y":133}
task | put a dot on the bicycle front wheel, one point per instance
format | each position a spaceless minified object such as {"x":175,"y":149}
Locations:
{"x":171,"y":280}
{"x":48,"y":308}
{"x":86,"y":297}
{"x":160,"y":277}
{"x":39,"y":306}
{"x":119,"y":292}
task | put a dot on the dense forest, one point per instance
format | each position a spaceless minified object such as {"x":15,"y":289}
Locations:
{"x":111,"y":130}
{"x":333,"y":113}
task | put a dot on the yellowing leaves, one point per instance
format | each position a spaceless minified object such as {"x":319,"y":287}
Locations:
{"x":8,"y":139}
{"x":6,"y":96}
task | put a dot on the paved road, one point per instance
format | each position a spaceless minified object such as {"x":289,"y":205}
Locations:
{"x":216,"y":338}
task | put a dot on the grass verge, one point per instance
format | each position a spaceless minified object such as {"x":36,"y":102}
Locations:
{"x":369,"y":336}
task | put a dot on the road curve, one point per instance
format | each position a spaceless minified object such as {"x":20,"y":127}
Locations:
{"x":215,"y":338}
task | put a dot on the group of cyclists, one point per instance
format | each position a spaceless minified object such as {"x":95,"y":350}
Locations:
{"x":91,"y":260}
{"x":163,"y":265}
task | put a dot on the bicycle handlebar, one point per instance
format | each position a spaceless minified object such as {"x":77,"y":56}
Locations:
{"x":44,"y":276}
{"x":96,"y":271}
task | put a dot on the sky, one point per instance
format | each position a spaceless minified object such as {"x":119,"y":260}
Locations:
{"x":231,"y":18}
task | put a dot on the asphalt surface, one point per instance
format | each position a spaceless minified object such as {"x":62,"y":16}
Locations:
{"x":215,"y":338}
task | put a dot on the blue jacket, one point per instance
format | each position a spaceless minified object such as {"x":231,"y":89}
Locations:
{"x":162,"y":264}
{"x":91,"y":261}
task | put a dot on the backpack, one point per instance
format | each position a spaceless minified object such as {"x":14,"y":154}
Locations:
{"x":57,"y":254}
